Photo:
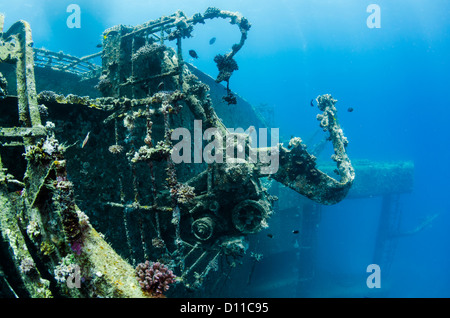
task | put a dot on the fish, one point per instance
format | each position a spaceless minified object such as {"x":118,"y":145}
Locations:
{"x":295,"y":232}
{"x":99,"y":45}
{"x":112,"y":32}
{"x":312,"y":103}
{"x":350,"y":109}
{"x":270,"y":235}
{"x":212,"y":41}
{"x":193,"y":54}
{"x":86,"y":139}
{"x":161,"y":86}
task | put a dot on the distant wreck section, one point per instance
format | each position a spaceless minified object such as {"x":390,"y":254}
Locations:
{"x":71,"y":162}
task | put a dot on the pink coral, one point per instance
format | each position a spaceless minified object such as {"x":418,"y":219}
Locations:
{"x":154,"y":277}
{"x":77,"y":246}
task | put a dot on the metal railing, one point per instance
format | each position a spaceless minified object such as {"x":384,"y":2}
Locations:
{"x":59,"y":61}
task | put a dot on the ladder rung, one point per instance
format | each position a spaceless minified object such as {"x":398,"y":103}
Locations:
{"x":23,"y":132}
{"x":12,"y":144}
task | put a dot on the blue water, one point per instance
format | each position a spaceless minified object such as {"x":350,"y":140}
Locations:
{"x":396,"y":77}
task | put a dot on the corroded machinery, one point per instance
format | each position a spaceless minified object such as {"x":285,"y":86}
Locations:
{"x":193,"y":217}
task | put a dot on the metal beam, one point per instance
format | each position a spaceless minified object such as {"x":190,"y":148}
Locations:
{"x":379,"y":178}
{"x":23,"y":132}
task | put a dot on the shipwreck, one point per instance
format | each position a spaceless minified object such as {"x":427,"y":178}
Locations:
{"x":88,"y":187}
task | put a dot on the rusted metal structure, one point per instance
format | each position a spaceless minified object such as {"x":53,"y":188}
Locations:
{"x":193,"y":217}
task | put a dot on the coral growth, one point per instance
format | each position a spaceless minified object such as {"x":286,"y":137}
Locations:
{"x":115,"y":149}
{"x":147,"y":52}
{"x":104,"y":85}
{"x":211,"y":12}
{"x":184,"y":193}
{"x":3,"y":86}
{"x":64,"y":269}
{"x":183,"y":30}
{"x":230,"y":98}
{"x":159,"y":152}
{"x":44,"y":150}
{"x":154,"y":277}
{"x":48,"y":97}
{"x":33,"y":230}
{"x":226,"y":66}
{"x":27,"y":266}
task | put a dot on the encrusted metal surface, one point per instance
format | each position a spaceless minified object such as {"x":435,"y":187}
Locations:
{"x":195,"y":218}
